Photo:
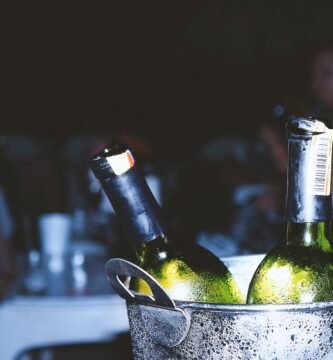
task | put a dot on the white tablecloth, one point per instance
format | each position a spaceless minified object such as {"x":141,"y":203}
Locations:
{"x":30,"y":322}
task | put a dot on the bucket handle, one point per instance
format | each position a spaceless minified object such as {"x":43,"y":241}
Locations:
{"x":119,"y":267}
{"x":165,"y":323}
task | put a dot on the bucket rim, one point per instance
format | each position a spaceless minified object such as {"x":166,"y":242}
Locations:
{"x":236,"y":308}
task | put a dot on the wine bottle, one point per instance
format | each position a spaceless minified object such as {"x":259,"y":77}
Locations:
{"x":189,"y":274}
{"x":300,"y":269}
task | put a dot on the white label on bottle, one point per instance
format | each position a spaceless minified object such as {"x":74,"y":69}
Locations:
{"x":121,"y":163}
{"x":321,"y":162}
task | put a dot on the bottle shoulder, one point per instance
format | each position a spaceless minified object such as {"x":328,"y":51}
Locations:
{"x":192,"y":274}
{"x":193,"y":255}
{"x":293,"y":274}
{"x":299,"y":255}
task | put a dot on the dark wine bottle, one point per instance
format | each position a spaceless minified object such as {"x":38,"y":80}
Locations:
{"x":300,"y":269}
{"x":189,"y":274}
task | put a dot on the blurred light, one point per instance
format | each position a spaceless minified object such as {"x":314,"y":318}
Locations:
{"x":78,"y":259}
{"x":279,"y":275}
{"x":56,"y":264}
{"x":162,"y":255}
{"x":179,"y":290}
{"x":278,"y":110}
{"x":94,"y":187}
{"x":307,"y":297}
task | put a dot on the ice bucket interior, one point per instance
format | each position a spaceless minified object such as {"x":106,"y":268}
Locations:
{"x":242,"y":268}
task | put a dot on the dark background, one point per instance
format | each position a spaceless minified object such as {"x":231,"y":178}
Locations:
{"x":170,"y":77}
{"x":174,"y":68}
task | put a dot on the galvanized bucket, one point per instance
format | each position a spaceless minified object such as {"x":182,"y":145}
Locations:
{"x":165,"y":329}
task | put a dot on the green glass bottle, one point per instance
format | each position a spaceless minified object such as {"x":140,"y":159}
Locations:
{"x":300,"y":269}
{"x":188,"y":274}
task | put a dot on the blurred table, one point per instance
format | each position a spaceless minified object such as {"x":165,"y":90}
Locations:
{"x":61,"y":314}
{"x":31,"y":322}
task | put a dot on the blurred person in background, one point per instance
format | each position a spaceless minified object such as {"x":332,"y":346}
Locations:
{"x":228,"y":198}
{"x":321,"y":71}
{"x":257,"y":224}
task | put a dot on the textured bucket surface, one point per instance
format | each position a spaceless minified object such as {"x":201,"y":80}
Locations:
{"x":241,"y":335}
{"x":236,"y":332}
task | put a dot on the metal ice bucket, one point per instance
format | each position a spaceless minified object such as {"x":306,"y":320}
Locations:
{"x":165,"y":329}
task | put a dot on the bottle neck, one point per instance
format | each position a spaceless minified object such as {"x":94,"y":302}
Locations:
{"x":135,"y":205}
{"x":157,"y":245}
{"x":306,"y":200}
{"x":317,"y":235}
